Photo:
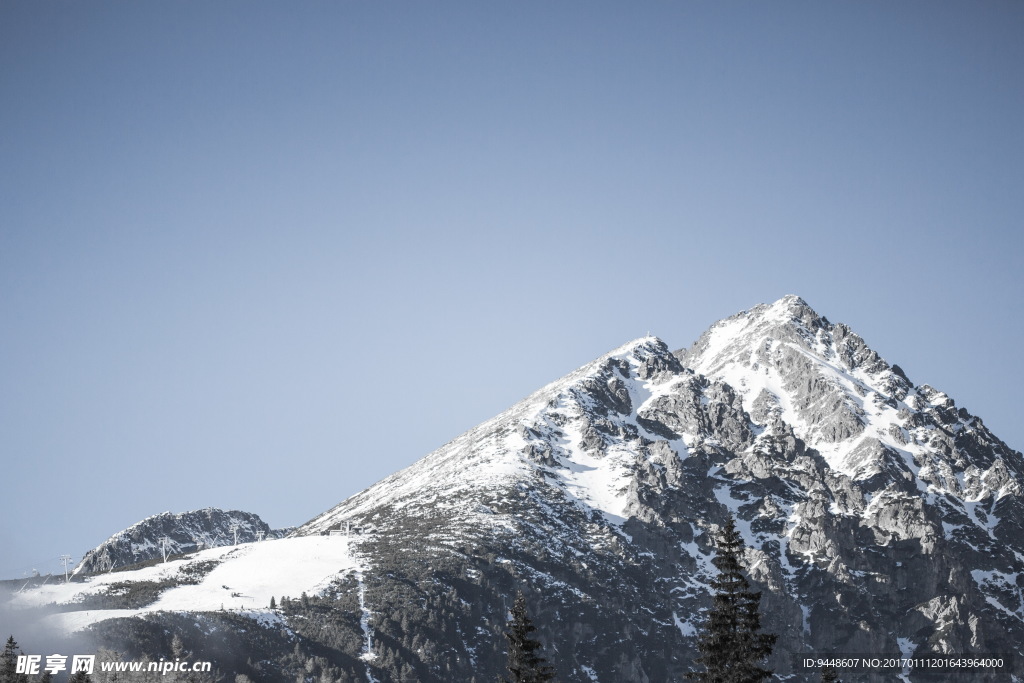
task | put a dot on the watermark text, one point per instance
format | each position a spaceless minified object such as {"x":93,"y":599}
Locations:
{"x":35,"y":664}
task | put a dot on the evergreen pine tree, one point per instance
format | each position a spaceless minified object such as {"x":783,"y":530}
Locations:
{"x":525,"y":663}
{"x":177,"y":647}
{"x":829,"y":675}
{"x":732,"y":645}
{"x":9,"y":663}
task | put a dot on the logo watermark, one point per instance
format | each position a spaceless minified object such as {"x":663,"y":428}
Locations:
{"x":33,"y":665}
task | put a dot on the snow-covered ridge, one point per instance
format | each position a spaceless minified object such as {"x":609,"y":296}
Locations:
{"x":502,"y":452}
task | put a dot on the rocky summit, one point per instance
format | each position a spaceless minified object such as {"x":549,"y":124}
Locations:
{"x":879,"y":519}
{"x":169,"y":534}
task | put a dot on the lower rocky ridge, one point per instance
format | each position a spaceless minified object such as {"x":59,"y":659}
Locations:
{"x":172,"y":534}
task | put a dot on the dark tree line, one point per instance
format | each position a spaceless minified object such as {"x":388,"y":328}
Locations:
{"x":732,"y":646}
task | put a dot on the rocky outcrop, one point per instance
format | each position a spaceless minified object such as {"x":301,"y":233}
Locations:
{"x":184,"y":532}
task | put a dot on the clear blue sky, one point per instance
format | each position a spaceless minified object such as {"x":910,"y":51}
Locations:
{"x":259,"y":255}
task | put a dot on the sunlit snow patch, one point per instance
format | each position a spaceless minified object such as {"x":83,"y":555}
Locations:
{"x":245,"y":580}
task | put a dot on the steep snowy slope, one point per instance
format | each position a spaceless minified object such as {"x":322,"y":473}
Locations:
{"x":550,"y":432}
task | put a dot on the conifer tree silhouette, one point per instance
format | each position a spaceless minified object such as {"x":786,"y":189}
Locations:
{"x":525,"y":664}
{"x":732,"y":645}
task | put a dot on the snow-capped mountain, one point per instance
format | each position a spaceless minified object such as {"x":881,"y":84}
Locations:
{"x":172,"y":534}
{"x":879,"y":519}
{"x":862,"y":415}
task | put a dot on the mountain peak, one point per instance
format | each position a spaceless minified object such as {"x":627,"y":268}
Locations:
{"x":789,"y":302}
{"x":789,"y":319}
{"x":645,"y":346}
{"x":864,"y":416}
{"x":789,"y":308}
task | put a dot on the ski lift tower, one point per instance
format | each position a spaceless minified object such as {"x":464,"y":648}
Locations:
{"x":164,"y":545}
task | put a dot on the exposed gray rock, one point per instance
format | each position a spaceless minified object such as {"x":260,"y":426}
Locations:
{"x":185,"y":532}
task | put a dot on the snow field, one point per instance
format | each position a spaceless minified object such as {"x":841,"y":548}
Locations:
{"x":245,"y":580}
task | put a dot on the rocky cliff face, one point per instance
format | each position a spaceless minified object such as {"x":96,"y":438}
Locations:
{"x":879,"y":519}
{"x":899,"y":522}
{"x":184,"y":532}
